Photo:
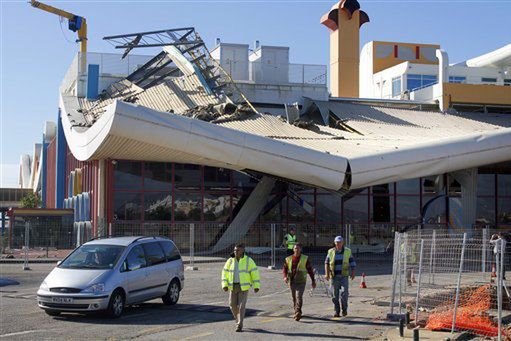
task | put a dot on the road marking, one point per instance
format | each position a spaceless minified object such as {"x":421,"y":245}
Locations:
{"x":196,"y":336}
{"x":151,"y":331}
{"x":22,"y":333}
{"x":272,"y":319}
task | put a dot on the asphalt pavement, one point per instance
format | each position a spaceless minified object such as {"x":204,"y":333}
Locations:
{"x":202,"y":312}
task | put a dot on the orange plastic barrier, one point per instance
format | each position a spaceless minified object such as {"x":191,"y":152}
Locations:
{"x":471,"y":315}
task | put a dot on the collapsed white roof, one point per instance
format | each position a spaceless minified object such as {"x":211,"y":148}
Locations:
{"x":370,"y":145}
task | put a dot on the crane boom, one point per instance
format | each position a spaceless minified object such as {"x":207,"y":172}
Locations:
{"x":76,"y":23}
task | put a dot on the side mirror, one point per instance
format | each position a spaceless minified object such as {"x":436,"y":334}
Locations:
{"x":59,"y":262}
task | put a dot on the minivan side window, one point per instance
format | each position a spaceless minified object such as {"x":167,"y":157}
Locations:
{"x":136,"y":258}
{"x":154,"y":253}
{"x":171,"y":251}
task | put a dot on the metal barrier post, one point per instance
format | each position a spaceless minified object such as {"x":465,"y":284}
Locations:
{"x":272,"y":265}
{"x":192,"y":249}
{"x":26,"y":246}
{"x":483,"y":258}
{"x":500,"y":277}
{"x":419,"y":284}
{"x":431,"y":257}
{"x":459,"y":283}
{"x":401,"y":272}
{"x":395,"y":263}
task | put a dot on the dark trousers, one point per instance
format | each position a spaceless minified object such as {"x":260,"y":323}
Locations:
{"x":297,"y":290}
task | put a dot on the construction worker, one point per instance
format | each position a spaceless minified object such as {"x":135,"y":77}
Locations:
{"x":238,"y":275}
{"x":339,"y":265}
{"x":295,"y":272}
{"x":290,"y":240}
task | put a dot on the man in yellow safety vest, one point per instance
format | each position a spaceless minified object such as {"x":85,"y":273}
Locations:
{"x":339,"y":265}
{"x":290,"y":240}
{"x":238,"y":275}
{"x":295,"y":272}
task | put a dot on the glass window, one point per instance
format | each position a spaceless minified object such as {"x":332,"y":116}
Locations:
{"x":396,"y":86}
{"x":382,"y":209}
{"x":385,"y":189}
{"x":355,"y":209}
{"x":127,"y":206}
{"x":93,"y":257}
{"x":157,"y":176}
{"x":457,"y":79}
{"x":154,"y":253}
{"x":187,"y":176}
{"x":275,"y":209}
{"x":217,"y":178}
{"x":507,"y":82}
{"x":217,"y":207}
{"x":432,"y":184}
{"x":158,"y":206}
{"x":127,"y":175}
{"x":435,"y":213}
{"x":301,"y":208}
{"x":504,"y":184}
{"x":187,"y":206}
{"x":411,"y":186}
{"x":243,"y":182}
{"x":136,"y":258}
{"x":488,"y":80}
{"x":485,"y":211}
{"x":504,"y":211}
{"x":328,"y":208}
{"x":486,"y":184}
{"x":408,"y":209}
{"x":171,"y":251}
{"x":414,"y":82}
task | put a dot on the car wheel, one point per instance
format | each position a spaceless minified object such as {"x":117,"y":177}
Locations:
{"x":52,"y":312}
{"x":116,"y":305}
{"x":172,"y":295}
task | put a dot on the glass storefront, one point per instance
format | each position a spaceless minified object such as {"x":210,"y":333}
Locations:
{"x":167,"y":193}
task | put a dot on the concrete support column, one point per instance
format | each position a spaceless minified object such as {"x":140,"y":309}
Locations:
{"x":468,"y":180}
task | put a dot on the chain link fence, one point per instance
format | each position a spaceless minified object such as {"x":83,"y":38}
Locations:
{"x":451,"y":281}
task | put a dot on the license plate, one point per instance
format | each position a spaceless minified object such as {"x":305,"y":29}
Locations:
{"x":62,"y":300}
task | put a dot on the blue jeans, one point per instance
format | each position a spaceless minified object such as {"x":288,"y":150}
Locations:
{"x":339,"y":282}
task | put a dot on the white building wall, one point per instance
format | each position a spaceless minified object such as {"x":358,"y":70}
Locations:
{"x":233,"y":58}
{"x":270,"y":65}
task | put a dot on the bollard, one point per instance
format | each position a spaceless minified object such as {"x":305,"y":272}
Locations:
{"x":402,"y":327}
{"x":416,"y":334}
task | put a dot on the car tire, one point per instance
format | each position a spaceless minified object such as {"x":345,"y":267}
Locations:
{"x":172,"y":295}
{"x":115,"y":305}
{"x":52,"y":312}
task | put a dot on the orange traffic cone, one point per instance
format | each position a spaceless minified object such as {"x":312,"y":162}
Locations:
{"x":363,"y":283}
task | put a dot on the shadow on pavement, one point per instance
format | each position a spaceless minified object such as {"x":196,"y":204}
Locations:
{"x":354,"y":320}
{"x":157,"y":314}
{"x":313,"y":335}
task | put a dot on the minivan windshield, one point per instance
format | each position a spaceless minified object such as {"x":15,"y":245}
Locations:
{"x":93,"y":257}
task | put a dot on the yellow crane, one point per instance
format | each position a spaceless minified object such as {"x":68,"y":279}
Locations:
{"x":76,"y":23}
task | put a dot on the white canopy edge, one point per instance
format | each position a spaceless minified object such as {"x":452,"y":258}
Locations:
{"x":135,"y":132}
{"x":433,"y":158}
{"x":500,"y":57}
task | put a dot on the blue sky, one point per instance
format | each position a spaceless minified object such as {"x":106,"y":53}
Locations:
{"x":36,"y":49}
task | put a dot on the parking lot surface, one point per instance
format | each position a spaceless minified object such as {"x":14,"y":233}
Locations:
{"x":202,"y":312}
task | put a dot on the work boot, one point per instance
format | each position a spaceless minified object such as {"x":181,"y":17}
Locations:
{"x":239,"y":329}
{"x":344,"y":313}
{"x":298,"y":316}
{"x":336,"y":315}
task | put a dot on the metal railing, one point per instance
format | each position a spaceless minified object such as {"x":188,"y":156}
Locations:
{"x":450,"y":281}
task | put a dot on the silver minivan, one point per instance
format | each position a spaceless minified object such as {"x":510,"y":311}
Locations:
{"x":108,"y":274}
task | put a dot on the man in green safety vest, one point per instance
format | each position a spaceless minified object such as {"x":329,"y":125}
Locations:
{"x":290,"y":240}
{"x":295,"y":272}
{"x":238,"y":275}
{"x":339,"y":266}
